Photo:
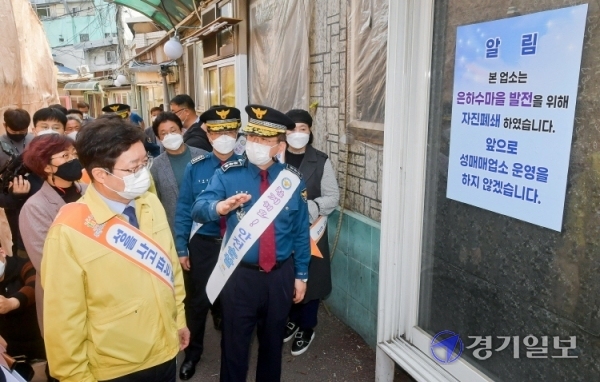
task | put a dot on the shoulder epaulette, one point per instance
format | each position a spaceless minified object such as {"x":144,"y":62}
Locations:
{"x":198,"y":159}
{"x":294,"y":170}
{"x":234,"y":163}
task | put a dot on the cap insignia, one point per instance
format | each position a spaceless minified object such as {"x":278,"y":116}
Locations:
{"x":259,"y":113}
{"x":223,"y":113}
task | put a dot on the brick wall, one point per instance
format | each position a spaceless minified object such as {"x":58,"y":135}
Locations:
{"x":328,"y":48}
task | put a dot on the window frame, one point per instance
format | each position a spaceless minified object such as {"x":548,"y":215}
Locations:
{"x":107,"y":54}
{"x":399,"y":338}
{"x":217,"y":65}
{"x":43,"y":8}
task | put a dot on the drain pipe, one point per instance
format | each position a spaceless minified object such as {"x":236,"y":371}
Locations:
{"x":346,"y":140}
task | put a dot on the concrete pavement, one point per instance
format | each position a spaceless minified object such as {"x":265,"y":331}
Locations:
{"x":336,"y":354}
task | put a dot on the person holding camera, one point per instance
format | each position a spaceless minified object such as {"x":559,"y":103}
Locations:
{"x":12,"y":144}
{"x":53,"y":158}
{"x":15,"y":180}
{"x":16,"y":138}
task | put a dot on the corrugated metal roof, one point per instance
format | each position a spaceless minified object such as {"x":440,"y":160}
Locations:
{"x":87,"y":85}
{"x":165,"y":13}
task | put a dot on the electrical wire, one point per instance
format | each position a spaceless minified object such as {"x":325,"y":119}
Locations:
{"x":73,"y":13}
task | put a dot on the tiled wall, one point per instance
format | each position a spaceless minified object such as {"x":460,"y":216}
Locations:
{"x":355,"y":273}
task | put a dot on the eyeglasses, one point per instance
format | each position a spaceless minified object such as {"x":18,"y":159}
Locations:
{"x":177,"y":112}
{"x":66,"y":156}
{"x":137,"y":171}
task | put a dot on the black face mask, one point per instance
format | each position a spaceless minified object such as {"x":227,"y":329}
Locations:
{"x":69,"y":171}
{"x":15,"y":137}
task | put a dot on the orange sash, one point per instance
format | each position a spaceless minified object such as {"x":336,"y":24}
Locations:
{"x":121,"y":238}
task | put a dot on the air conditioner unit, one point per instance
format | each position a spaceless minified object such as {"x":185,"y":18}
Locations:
{"x":173,"y":76}
{"x":83,"y":70}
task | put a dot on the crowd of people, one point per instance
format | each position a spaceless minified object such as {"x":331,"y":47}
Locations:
{"x":124,"y":238}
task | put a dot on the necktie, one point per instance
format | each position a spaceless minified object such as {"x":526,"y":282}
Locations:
{"x":223,"y":220}
{"x":129,"y":211}
{"x":266,"y":243}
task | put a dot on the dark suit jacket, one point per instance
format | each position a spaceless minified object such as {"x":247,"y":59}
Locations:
{"x":196,"y":137}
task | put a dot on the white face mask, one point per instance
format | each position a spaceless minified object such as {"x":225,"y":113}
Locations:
{"x":224,"y":144}
{"x":2,"y":267}
{"x":172,"y":141}
{"x":297,"y":140}
{"x":153,"y":118}
{"x":47,"y":131}
{"x":72,"y":135}
{"x":257,"y":153}
{"x":86,"y":115}
{"x":134,"y":187}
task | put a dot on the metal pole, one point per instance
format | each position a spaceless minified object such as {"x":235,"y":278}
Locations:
{"x":164,"y":71}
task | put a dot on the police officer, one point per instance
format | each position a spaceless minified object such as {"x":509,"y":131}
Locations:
{"x":124,"y":111}
{"x":268,"y":279}
{"x":222,"y":124}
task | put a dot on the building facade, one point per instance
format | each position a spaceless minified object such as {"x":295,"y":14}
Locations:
{"x":408,"y":262}
{"x":84,"y":36}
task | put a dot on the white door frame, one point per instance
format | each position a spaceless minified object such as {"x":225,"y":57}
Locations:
{"x":410,"y":36}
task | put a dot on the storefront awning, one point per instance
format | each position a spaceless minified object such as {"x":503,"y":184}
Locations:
{"x":165,"y":13}
{"x":87,"y":85}
{"x":64,"y":70}
{"x":141,"y":67}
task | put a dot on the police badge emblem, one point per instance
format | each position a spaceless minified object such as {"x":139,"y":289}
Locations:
{"x":286,"y":183}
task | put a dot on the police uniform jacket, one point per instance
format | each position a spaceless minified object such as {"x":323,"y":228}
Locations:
{"x":104,"y":316}
{"x":195,"y":179}
{"x":291,"y":225}
{"x":323,"y":197}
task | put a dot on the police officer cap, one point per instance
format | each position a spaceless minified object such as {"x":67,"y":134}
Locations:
{"x":212,"y":107}
{"x":120,"y":109}
{"x":300,"y":116}
{"x":266,"y":121}
{"x":221,"y":118}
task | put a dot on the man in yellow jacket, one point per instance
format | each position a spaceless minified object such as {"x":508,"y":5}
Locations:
{"x":113,"y":306}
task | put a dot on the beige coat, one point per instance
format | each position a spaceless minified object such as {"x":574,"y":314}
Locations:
{"x":35,"y":219}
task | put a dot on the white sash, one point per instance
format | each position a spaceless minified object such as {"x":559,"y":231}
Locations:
{"x":249,"y":229}
{"x":195,"y":227}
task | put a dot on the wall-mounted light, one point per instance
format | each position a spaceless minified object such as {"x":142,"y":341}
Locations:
{"x":121,"y":79}
{"x":173,"y":48}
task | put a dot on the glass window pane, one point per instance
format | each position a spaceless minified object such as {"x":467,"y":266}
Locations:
{"x":199,"y":91}
{"x":226,"y":10}
{"x":213,"y":87}
{"x":368,"y":39}
{"x":228,"y":85}
{"x":486,"y":274}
